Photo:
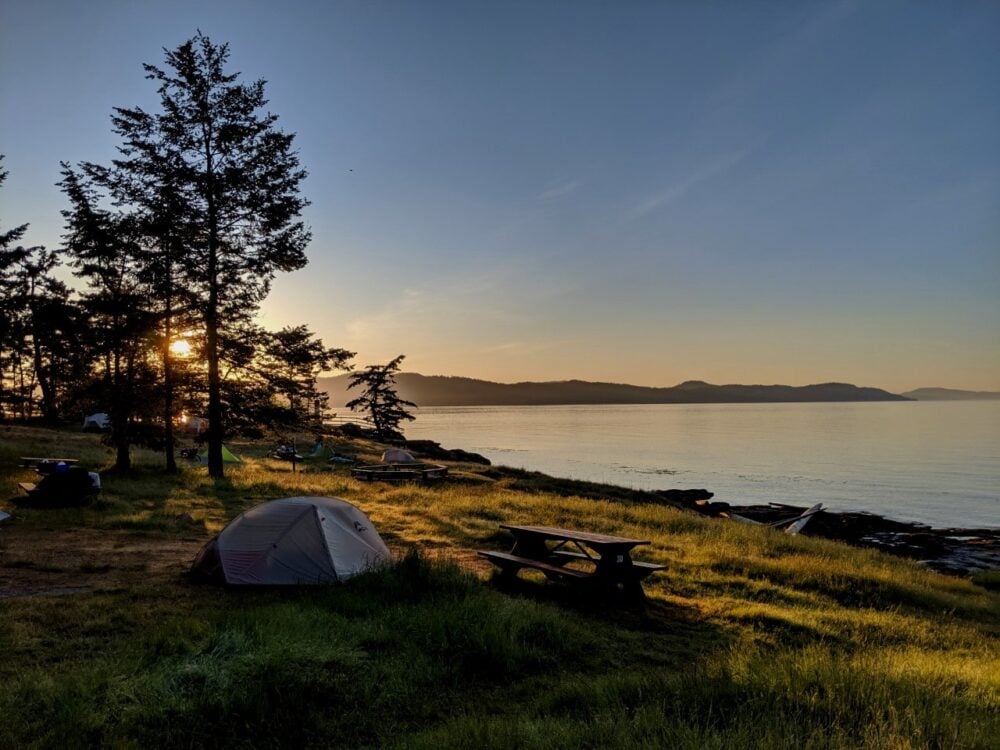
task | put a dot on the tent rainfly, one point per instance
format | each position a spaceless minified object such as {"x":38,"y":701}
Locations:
{"x":293,"y":541}
{"x":227,"y":456}
{"x":397,"y":456}
{"x":98,"y":421}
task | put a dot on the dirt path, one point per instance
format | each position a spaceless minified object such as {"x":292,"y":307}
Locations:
{"x":39,"y":562}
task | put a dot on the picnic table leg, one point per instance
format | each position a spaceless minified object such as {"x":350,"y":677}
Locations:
{"x":507,"y":574}
{"x":620,"y":577}
{"x":529,"y":546}
{"x":633,"y":591}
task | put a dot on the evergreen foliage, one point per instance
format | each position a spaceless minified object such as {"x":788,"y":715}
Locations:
{"x":215,"y":185}
{"x":40,"y":329}
{"x":379,"y":398}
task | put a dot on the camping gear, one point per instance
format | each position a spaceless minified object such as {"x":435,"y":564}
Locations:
{"x":398,"y":456}
{"x":69,"y":487}
{"x":97,"y":422}
{"x":195,"y":425}
{"x":286,"y":452}
{"x":227,"y":456}
{"x":45,"y":465}
{"x":293,"y":541}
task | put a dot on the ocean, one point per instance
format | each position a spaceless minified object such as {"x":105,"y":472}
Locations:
{"x":933,"y":462}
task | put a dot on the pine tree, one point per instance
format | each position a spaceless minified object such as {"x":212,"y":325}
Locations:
{"x":11,"y":312}
{"x":231,"y":181}
{"x":106,"y":252}
{"x":379,"y":398}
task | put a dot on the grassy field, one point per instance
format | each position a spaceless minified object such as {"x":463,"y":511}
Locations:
{"x":751,"y":638}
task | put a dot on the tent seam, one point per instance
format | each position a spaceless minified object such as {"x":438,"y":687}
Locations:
{"x":284,"y":533}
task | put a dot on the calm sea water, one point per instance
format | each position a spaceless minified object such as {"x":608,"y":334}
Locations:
{"x":934,"y":462}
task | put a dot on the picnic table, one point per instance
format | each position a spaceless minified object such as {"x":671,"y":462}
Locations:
{"x":598,"y":559}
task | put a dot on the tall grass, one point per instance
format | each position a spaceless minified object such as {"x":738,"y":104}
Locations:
{"x":751,"y":638}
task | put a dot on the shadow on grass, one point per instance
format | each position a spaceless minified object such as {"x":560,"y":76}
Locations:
{"x":685,"y":629}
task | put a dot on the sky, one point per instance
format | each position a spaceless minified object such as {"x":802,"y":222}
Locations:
{"x":766,"y":192}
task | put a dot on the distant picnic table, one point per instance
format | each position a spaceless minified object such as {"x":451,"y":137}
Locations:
{"x":607,"y":560}
{"x":45,"y":465}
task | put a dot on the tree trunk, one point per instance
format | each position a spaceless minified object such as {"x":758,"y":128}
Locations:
{"x":119,"y":420}
{"x":168,"y":382}
{"x":215,"y":466}
{"x":48,"y":397}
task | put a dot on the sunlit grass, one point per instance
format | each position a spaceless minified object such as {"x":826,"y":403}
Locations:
{"x":752,"y":638}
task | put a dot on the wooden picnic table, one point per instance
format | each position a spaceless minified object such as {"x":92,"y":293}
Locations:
{"x":45,"y":465}
{"x":607,"y":559}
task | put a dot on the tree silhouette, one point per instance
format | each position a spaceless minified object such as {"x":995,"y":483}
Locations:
{"x":105,"y":250}
{"x":11,"y":308}
{"x":379,"y":398}
{"x":218,"y":186}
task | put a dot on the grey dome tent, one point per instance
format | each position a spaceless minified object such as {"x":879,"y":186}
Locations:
{"x":293,"y":541}
{"x":97,"y":422}
{"x":397,"y":456}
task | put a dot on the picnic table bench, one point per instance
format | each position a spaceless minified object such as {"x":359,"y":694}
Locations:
{"x":550,"y":550}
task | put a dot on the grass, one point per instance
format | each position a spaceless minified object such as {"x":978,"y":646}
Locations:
{"x":751,"y":638}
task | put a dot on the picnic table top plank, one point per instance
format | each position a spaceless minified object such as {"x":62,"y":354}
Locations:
{"x":587,"y":537}
{"x":27,"y":460}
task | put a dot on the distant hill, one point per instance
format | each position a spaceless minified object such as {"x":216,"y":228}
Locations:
{"x":440,"y":390}
{"x":951,"y":394}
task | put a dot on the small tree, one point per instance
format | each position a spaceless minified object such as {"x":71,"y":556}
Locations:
{"x":291,"y":361}
{"x":379,"y":398}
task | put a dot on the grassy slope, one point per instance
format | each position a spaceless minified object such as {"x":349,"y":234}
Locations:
{"x":751,"y":638}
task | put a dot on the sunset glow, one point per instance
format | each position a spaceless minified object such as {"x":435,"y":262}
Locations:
{"x":180,"y":348}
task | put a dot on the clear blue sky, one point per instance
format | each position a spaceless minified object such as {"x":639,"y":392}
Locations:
{"x":639,"y":192}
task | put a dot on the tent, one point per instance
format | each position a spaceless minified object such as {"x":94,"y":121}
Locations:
{"x":98,"y":421}
{"x":398,"y":456}
{"x":196,"y":425}
{"x":227,"y":456}
{"x":296,"y":540}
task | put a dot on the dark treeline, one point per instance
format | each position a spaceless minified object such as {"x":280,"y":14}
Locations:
{"x":172,"y":246}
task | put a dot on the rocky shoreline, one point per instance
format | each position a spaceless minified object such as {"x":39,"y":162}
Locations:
{"x":958,"y":551}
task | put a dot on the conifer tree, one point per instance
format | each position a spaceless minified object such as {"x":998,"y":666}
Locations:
{"x":11,"y":307}
{"x":379,"y":398}
{"x":105,"y":251}
{"x":232,"y":182}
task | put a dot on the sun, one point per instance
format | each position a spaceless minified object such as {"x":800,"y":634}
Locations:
{"x":180,"y":348}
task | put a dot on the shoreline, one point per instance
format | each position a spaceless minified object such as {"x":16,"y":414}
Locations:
{"x":951,"y":550}
{"x":957,"y":551}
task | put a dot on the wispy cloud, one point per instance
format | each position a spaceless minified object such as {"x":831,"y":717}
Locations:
{"x":704,"y":173}
{"x":759,"y":73}
{"x":558,"y":191}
